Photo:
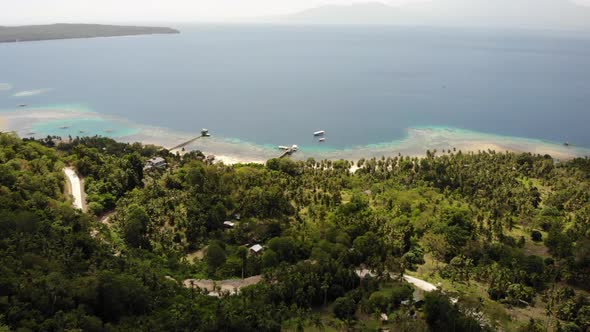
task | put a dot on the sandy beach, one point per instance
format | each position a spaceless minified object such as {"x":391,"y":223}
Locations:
{"x":78,"y":121}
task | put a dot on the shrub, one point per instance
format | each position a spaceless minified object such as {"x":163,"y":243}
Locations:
{"x":536,"y":236}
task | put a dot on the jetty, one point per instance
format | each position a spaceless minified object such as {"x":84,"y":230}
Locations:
{"x":204,"y":133}
{"x":288,"y":150}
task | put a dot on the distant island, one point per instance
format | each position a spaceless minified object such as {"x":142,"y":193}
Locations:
{"x":69,"y":31}
{"x":528,"y":14}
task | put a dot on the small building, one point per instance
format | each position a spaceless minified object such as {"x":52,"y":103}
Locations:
{"x":156,"y":162}
{"x":229,"y":224}
{"x":256,"y":249}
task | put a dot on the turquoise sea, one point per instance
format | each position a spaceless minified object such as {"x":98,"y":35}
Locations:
{"x":276,"y":85}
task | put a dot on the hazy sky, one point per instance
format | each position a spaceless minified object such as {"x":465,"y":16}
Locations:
{"x":47,"y":11}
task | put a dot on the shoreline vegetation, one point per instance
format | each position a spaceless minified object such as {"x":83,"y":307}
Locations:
{"x":71,"y":31}
{"x":76,"y":121}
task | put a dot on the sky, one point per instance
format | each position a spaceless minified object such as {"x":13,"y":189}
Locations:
{"x":14,"y":12}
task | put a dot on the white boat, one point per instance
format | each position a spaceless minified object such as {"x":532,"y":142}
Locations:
{"x":322,"y":140}
{"x":294,"y":148}
{"x":319,"y":133}
{"x":284,"y":148}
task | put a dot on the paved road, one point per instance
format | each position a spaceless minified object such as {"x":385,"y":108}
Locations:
{"x":423,"y":285}
{"x":234,"y":285}
{"x":419,"y":283}
{"x":75,"y":188}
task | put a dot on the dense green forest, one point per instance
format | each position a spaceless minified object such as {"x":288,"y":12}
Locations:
{"x":505,"y":237}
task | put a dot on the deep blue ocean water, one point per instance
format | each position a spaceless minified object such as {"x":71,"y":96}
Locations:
{"x":278,"y":84}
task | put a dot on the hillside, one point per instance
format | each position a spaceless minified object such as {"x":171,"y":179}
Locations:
{"x":504,"y":237}
{"x":538,"y":14}
{"x":69,"y":31}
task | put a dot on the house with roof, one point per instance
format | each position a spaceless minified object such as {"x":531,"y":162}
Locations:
{"x":155,"y":163}
{"x":256,"y":249}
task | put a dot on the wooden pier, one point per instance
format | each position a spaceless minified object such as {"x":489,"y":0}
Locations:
{"x":182,"y":145}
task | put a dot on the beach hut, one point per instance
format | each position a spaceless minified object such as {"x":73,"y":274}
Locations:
{"x":156,"y":162}
{"x":256,"y":249}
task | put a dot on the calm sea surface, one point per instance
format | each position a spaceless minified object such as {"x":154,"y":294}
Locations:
{"x":278,"y":84}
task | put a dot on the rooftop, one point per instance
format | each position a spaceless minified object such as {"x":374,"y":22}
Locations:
{"x":256,"y":248}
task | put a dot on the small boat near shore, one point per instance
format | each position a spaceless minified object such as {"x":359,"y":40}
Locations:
{"x":64,"y":127}
{"x":23,"y":105}
{"x":321,"y":140}
{"x":319,"y":133}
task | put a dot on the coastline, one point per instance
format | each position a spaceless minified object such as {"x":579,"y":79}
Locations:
{"x":76,"y":120}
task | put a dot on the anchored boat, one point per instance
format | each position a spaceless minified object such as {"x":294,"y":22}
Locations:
{"x":319,"y":133}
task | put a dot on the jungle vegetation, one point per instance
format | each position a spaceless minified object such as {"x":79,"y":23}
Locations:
{"x":505,"y":236}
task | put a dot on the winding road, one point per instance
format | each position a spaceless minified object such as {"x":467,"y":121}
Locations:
{"x":234,"y":285}
{"x":418,"y":283}
{"x":423,"y":285}
{"x":76,"y":188}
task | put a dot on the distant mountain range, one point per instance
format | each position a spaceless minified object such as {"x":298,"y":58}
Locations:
{"x":543,"y":14}
{"x":68,"y":31}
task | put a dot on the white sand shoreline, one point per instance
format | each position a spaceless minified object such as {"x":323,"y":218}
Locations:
{"x":415,"y":144}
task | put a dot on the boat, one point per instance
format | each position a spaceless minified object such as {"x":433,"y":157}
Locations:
{"x":566,"y":144}
{"x":319,"y":133}
{"x":294,"y":148}
{"x":323,"y":139}
{"x":284,"y":148}
{"x":205,"y":132}
{"x":64,"y":127}
{"x":23,"y":105}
